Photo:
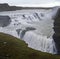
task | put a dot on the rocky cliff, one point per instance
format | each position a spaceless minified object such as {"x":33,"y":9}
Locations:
{"x":56,"y":35}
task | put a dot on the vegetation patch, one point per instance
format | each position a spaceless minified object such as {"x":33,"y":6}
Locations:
{"x":14,"y":48}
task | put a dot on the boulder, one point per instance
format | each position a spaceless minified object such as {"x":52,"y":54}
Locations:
{"x":4,"y":21}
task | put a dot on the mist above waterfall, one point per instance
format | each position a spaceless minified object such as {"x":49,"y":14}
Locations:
{"x":34,"y":26}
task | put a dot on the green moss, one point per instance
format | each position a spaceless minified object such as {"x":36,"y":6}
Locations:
{"x":14,"y":48}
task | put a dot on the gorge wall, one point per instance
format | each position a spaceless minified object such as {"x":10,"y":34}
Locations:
{"x":56,"y":35}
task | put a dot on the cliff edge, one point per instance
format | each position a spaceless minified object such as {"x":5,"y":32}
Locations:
{"x":56,"y":35}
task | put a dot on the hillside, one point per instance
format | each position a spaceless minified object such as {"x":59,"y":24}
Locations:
{"x":6,"y":7}
{"x":13,"y":48}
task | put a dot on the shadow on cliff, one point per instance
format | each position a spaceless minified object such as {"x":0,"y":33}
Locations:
{"x":56,"y":35}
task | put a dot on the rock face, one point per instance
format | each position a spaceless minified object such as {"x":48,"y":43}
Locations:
{"x":24,"y":31}
{"x":4,"y":21}
{"x":56,"y":36}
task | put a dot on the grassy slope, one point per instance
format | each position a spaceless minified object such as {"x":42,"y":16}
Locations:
{"x":13,"y":48}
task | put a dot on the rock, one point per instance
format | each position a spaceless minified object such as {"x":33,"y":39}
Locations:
{"x":57,"y":42}
{"x":24,"y":31}
{"x":30,"y":28}
{"x":36,"y":15}
{"x":18,"y":31}
{"x":5,"y":42}
{"x":4,"y":21}
{"x":56,"y":28}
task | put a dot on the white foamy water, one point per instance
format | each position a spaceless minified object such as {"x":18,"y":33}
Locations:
{"x":22,"y":22}
{"x":40,"y":42}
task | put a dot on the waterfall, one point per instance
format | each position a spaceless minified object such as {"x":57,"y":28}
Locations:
{"x":40,"y":42}
{"x":35,"y":27}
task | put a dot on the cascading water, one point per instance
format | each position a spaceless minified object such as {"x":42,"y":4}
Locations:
{"x":40,"y":42}
{"x":35,"y":27}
